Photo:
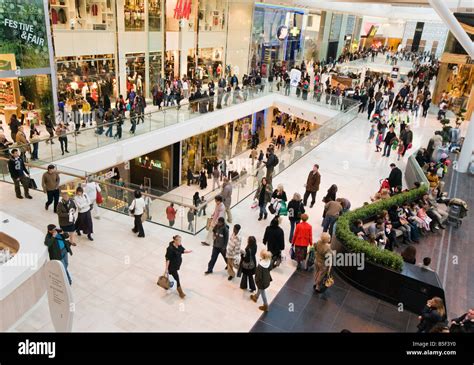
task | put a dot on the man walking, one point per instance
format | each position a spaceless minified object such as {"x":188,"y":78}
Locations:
{"x":221,"y":238}
{"x":215,"y":177}
{"x":219,"y":212}
{"x":19,"y":174}
{"x":395,"y":177}
{"x":272,"y":162}
{"x":50,"y":183}
{"x":312,"y":185}
{"x":227,"y":197}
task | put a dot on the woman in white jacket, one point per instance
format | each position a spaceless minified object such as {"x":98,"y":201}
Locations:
{"x":233,"y":250}
{"x":91,"y":188}
{"x":84,"y":218}
{"x":137,"y":208}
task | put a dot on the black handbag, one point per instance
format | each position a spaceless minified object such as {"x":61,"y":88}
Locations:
{"x":248,"y":265}
{"x":32,"y":184}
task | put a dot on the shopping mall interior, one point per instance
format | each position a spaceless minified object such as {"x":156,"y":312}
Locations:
{"x":323,"y":149}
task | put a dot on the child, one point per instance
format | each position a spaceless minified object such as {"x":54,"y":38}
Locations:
{"x":263,"y":278}
{"x":401,"y":149}
{"x":378,"y":141}
{"x":371,"y":133}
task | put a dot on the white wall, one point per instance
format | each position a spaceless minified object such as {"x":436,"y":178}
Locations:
{"x":238,"y":42}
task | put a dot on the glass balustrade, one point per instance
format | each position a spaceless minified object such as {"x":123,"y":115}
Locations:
{"x":103,"y":134}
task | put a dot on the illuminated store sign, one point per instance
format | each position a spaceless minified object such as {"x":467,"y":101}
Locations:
{"x":149,"y":164}
{"x":182,"y":9}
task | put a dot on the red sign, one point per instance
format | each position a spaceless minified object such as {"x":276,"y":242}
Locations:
{"x":182,"y":9}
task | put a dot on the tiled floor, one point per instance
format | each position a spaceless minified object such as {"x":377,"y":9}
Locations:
{"x":114,"y":277}
{"x":297,"y":309}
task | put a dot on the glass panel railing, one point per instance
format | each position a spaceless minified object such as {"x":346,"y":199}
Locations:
{"x":102,"y":134}
{"x":246,"y":185}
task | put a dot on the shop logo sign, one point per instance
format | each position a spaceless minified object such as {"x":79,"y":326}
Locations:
{"x":182,"y":9}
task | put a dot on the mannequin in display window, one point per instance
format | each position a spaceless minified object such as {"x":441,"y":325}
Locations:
{"x":85,"y":90}
{"x":139,"y":83}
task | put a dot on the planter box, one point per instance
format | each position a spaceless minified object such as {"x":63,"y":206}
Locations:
{"x":412,"y":287}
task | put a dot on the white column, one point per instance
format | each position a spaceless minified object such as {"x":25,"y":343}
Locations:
{"x":52,"y":60}
{"x":467,"y":148}
{"x":449,"y":19}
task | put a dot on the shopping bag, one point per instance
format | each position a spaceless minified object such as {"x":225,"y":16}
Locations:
{"x":292,"y":252}
{"x":208,"y":224}
{"x":164,"y":282}
{"x":283,"y":208}
{"x":254,"y":204}
{"x":99,"y":199}
{"x":144,"y":216}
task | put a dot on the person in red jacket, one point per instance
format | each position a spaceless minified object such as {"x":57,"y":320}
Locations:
{"x":302,"y":238}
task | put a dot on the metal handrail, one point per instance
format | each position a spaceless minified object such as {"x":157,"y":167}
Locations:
{"x":162,"y":110}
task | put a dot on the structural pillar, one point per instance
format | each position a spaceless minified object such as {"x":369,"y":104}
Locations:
{"x":465,"y":156}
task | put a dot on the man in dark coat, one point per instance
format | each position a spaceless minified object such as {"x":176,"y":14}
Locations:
{"x":312,"y":185}
{"x":406,"y":136}
{"x":395,"y":177}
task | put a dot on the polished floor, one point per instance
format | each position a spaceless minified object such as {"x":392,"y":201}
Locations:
{"x":297,"y":309}
{"x":114,"y":277}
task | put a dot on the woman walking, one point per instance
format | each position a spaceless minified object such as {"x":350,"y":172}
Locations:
{"x":323,"y":250}
{"x":263,"y":279}
{"x":137,"y":208}
{"x":174,"y":260}
{"x":248,"y":263}
{"x":275,"y":241}
{"x":302,"y":238}
{"x":84,"y":218}
{"x":279,"y":198}
{"x":295,"y":209}
{"x":233,"y":250}
{"x":66,"y":211}
{"x":263,"y":195}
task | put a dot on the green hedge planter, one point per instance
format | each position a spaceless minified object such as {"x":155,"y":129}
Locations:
{"x":388,"y":259}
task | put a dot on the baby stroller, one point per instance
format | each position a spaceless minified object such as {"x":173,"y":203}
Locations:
{"x":457,"y":211}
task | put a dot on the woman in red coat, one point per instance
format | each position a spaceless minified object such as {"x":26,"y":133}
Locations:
{"x":302,"y":238}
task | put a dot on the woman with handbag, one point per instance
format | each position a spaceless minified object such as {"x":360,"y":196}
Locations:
{"x":248,"y":264}
{"x":295,"y":209}
{"x":278,"y":199}
{"x":137,"y":208}
{"x":302,"y":238}
{"x":233,"y":251}
{"x":274,"y":239}
{"x":323,"y":250}
{"x":263,"y":278}
{"x":174,"y":260}
{"x":263,"y":195}
{"x":93,"y":191}
{"x":84,"y":218}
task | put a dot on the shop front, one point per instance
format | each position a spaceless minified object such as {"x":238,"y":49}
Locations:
{"x":94,"y":75}
{"x":277,"y":38}
{"x":456,"y":78}
{"x":224,"y":142}
{"x":209,"y":64}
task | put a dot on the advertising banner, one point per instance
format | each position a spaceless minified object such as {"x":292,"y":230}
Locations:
{"x":23,"y":35}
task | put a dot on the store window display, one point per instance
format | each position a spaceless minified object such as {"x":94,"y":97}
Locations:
{"x":209,"y":66}
{"x":135,"y":72}
{"x":79,"y":76}
{"x":82,"y":14}
{"x":134,"y":13}
{"x":212,"y":15}
{"x":154,"y":15}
